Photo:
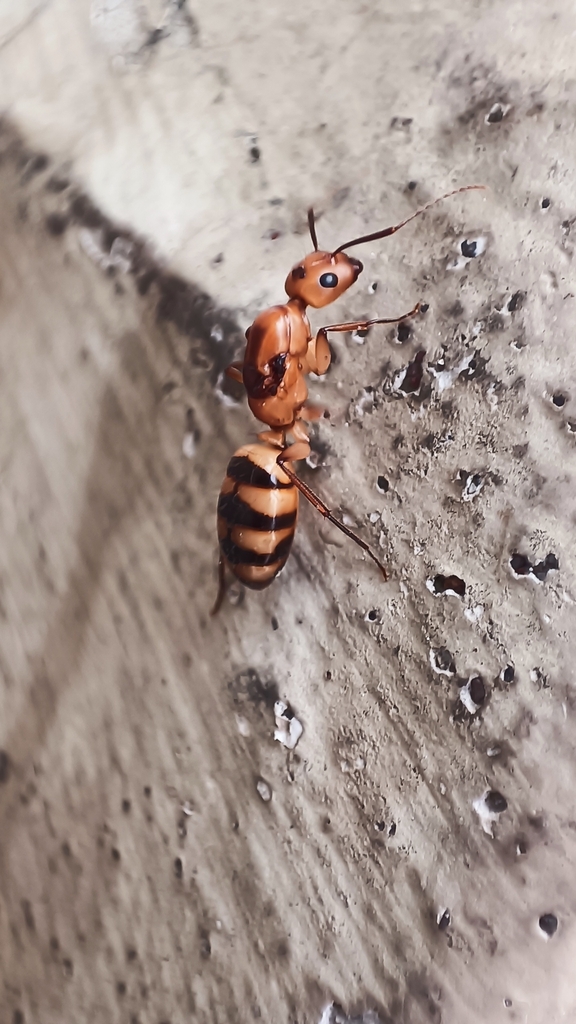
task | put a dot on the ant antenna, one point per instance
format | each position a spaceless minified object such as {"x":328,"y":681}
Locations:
{"x":390,"y":231}
{"x":312,"y":227}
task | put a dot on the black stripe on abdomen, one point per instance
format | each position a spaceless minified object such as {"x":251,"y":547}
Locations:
{"x":244,"y":471}
{"x":241,"y":556}
{"x":237,"y":513}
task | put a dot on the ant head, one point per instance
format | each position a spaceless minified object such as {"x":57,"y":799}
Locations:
{"x":322,"y":277}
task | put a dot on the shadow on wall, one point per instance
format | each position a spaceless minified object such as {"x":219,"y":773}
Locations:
{"x":133,"y":471}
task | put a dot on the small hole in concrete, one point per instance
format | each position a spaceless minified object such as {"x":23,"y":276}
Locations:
{"x":520,"y":564}
{"x":541,"y":569}
{"x":477,"y":690}
{"x":495,"y":802}
{"x":545,"y":204}
{"x":178,"y":867}
{"x":392,"y":829}
{"x":558,"y":400}
{"x":403,"y":332}
{"x":507,"y":674}
{"x":443,"y":584}
{"x":468,"y":249}
{"x":442,"y":661}
{"x":516,"y":302}
{"x":444,"y":921}
{"x":412,"y":185}
{"x":496,"y":113}
{"x":548,"y":924}
{"x":412,"y":380}
{"x":424,"y":307}
{"x":372,"y":615}
{"x":382,"y":485}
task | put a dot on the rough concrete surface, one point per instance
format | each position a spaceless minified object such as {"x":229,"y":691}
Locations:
{"x":156,"y":163}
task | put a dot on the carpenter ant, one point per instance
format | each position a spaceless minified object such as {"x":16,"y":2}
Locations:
{"x":258,"y":502}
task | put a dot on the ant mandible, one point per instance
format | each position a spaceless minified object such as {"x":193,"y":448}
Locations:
{"x":258,"y":502}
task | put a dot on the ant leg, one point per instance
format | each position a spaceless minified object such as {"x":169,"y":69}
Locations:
{"x":310,"y":412}
{"x":299,"y":432}
{"x":277,"y":438}
{"x":363,"y":325}
{"x":221,"y":587}
{"x":234,"y":371}
{"x":318,"y":354}
{"x":319,"y":505}
{"x":294,"y":453}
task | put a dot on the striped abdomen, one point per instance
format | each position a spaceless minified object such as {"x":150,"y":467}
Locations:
{"x":257,"y":511}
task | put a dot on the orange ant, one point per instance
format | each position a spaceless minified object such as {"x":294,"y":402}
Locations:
{"x":258,"y":502}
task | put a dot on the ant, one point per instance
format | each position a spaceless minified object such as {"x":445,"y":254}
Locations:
{"x":258,"y":502}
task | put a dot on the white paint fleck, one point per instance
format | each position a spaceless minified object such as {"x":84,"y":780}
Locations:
{"x":399,"y":380}
{"x":333,"y":1014}
{"x":472,"y":487}
{"x":243,"y":725}
{"x":447,"y":378}
{"x":264,"y":791}
{"x":473,"y":614}
{"x":314,"y":460}
{"x":189,"y":445}
{"x":364,"y":403}
{"x":222,"y":396}
{"x":288,"y":728}
{"x":119,"y":256}
{"x":466,"y":698}
{"x":486,"y":815}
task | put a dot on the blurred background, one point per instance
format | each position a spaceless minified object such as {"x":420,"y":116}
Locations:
{"x":162,"y":857}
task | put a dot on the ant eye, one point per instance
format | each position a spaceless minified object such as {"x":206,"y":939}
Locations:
{"x":298,"y":272}
{"x":329,"y":280}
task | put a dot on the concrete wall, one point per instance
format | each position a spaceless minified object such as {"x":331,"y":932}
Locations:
{"x":157,"y":160}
